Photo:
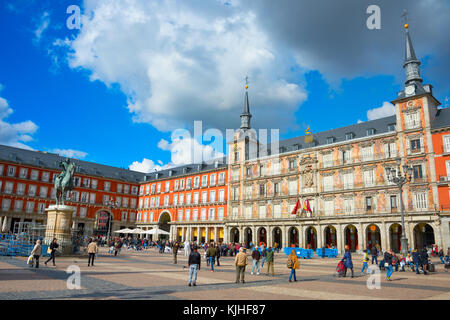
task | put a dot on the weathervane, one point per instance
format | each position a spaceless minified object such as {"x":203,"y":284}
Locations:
{"x":246,"y":82}
{"x":405,"y":16}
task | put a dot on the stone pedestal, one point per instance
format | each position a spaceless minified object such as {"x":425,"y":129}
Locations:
{"x":59,"y":226}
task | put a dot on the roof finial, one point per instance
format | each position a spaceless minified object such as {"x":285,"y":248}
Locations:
{"x":246,"y":82}
{"x":405,"y":18}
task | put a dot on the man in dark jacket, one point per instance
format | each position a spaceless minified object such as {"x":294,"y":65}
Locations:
{"x":416,"y":260}
{"x":218,"y":254}
{"x":374,"y":253}
{"x":255,"y":256}
{"x":194,"y":266}
{"x":53,"y":246}
{"x":211,"y":255}
{"x":424,"y":260}
{"x":388,"y":261}
{"x":175,"y":252}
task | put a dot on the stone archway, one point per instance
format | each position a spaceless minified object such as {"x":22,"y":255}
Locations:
{"x":373,"y":236}
{"x":163,"y":223}
{"x":395,"y":236}
{"x":311,"y":238}
{"x":248,"y":236}
{"x":234,"y":235}
{"x":423,"y":236}
{"x":351,"y":237}
{"x":330,"y":236}
{"x":262,"y":236}
{"x":277,"y":237}
{"x":293,"y":237}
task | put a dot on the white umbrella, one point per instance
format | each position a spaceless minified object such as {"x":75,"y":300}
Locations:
{"x":123,"y":231}
{"x":137,"y":231}
{"x":156,"y":231}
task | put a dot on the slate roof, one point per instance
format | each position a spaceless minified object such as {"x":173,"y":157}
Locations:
{"x":442,"y":119}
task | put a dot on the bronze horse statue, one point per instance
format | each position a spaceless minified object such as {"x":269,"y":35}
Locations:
{"x":64,"y":181}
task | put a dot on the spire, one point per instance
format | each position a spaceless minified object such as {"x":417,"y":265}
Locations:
{"x":246,"y":115}
{"x":411,"y":64}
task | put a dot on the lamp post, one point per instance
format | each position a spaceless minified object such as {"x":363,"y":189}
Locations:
{"x":400,"y":179}
{"x":111,"y":204}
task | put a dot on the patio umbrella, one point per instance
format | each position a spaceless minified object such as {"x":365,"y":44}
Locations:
{"x":156,"y":231}
{"x":137,"y":231}
{"x":123,"y":231}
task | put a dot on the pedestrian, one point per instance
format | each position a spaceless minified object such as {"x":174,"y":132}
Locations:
{"x":374,"y":253}
{"x":218,"y":254}
{"x":175,"y":252}
{"x":416,"y":260}
{"x":388,"y":264}
{"x":293,"y":264}
{"x":194,"y":261}
{"x":447,"y":260}
{"x":256,"y":256}
{"x":36,"y":252}
{"x":211,"y":256}
{"x":365,"y":261}
{"x":53,"y":246}
{"x":424,"y":260}
{"x":263,"y":255}
{"x":116,"y":248}
{"x":187,"y":248}
{"x":347,"y":259}
{"x":441,"y":256}
{"x":240,"y":262}
{"x":323,"y":252}
{"x":269,"y":260}
{"x":92,"y":250}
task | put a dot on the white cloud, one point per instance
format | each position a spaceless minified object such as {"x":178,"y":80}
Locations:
{"x":42,"y":26}
{"x":146,"y":166}
{"x":14,"y":134}
{"x":70,"y":153}
{"x":178,"y":61}
{"x":386,"y":110}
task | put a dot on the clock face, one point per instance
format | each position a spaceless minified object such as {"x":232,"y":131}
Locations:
{"x":409,"y":90}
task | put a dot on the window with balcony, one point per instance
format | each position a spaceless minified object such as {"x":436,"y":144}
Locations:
{"x":30,"y":206}
{"x":107,"y":186}
{"x":134,"y":190}
{"x":328,"y":184}
{"x":292,"y":164}
{"x":212,"y":179}
{"x":196,"y":182}
{"x":196,"y":198}
{"x":85,"y":198}
{"x":124,"y":216}
{"x":369,"y":178}
{"x":6,"y":204}
{"x":204,"y":196}
{"x":147,"y":190}
{"x":346,"y":156}
{"x":421,"y":201}
{"x":415,"y":145}
{"x":262,"y":190}
{"x":119,"y":188}
{"x":176,"y":185}
{"x":204,"y":181}
{"x":11,"y":171}
{"x":203,"y":214}
{"x":247,"y":212}
{"x":248,"y":172}
{"x":181,"y":199}
{"x":182,"y":184}
{"x":125,"y":202}
{"x":327,"y":160}
{"x":45,"y":176}
{"x":166,"y":201}
{"x":1,"y":169}
{"x":220,"y":214}
{"x":347,"y":180}
{"x":393,"y":203}
{"x":222,"y":178}
{"x":43,"y":191}
{"x":187,"y":215}
{"x":195,"y":214}
{"x":188,"y":198}
{"x":276,"y":189}
{"x":367,"y":153}
{"x":126,"y":188}
{"x":76,"y":181}
{"x":175,"y":199}
{"x":262,"y":212}
{"x":348,"y":206}
{"x":417,"y":172}
{"x":369,"y":204}
{"x":141,"y":202}
{"x":18,"y":205}
{"x":180,"y":215}
{"x":133,"y":203}
{"x":188,"y":183}
{"x":412,"y":120}
{"x":158,"y":188}
{"x":292,"y":186}
{"x":328,"y":206}
{"x":34,"y":174}
{"x":390,"y":150}
{"x":23,"y":173}
{"x":277,"y":211}
{"x":212,"y":196}
{"x":32,"y":190}
{"x":211,"y":214}
{"x":276,"y":167}
{"x":20,"y":189}
{"x":235,"y":194}
{"x":146,"y":203}
{"x":446,"y":140}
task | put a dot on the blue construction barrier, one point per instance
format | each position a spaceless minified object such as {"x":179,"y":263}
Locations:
{"x":301,"y":253}
{"x":330,"y":253}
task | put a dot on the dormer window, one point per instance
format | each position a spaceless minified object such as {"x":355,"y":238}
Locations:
{"x":370,"y":131}
{"x":391,"y":127}
{"x":282,"y":149}
{"x":349,"y":136}
{"x":330,"y":140}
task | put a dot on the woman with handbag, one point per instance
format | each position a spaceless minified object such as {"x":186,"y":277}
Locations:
{"x":36,"y":252}
{"x":347,"y":259}
{"x":388,"y":264}
{"x":293,"y":264}
{"x":52,"y":250}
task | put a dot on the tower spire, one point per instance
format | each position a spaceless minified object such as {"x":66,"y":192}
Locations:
{"x":411,"y":64}
{"x":246,"y":115}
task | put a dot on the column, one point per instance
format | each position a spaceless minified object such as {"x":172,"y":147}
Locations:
{"x":198,"y":235}
{"x":361,"y":239}
{"x":254,"y":235}
{"x":320,"y":240}
{"x":6,"y":223}
{"x":285,"y":236}
{"x":207,"y":239}
{"x":269,"y":231}
{"x":183,"y":237}
{"x":383,"y":235}
{"x":216,"y":236}
{"x":1,"y":222}
{"x":241,"y":234}
{"x":301,"y":236}
{"x":225,"y":234}
{"x":340,"y":238}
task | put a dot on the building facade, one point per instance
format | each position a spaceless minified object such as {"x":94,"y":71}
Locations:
{"x":342,"y":175}
{"x":188,"y":201}
{"x":104,"y":197}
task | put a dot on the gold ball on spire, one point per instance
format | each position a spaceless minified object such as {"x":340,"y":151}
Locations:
{"x":406,"y":26}
{"x":246,"y":87}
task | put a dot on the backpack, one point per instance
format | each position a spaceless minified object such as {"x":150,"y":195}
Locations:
{"x":290,"y":264}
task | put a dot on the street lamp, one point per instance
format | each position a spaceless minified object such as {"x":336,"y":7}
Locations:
{"x":400,"y":179}
{"x":111,"y":204}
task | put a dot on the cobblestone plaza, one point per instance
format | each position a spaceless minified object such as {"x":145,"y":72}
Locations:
{"x":152,"y":276}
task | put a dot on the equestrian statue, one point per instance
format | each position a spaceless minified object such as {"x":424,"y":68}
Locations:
{"x":64,"y":181}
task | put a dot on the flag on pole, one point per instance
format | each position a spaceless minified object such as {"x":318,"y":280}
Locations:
{"x":305,"y":208}
{"x":308,"y":208}
{"x":294,"y":211}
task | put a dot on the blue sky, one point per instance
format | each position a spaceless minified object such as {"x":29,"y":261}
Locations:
{"x":116,"y":99}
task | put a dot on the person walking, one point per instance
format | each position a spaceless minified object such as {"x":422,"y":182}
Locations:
{"x":194,"y":261}
{"x":92,"y":250}
{"x":116,"y":248}
{"x":53,"y":246}
{"x":447,"y":261}
{"x":263,"y":255}
{"x":240,"y":262}
{"x":347,"y":259}
{"x":293,"y":264}
{"x":218,"y":254}
{"x":323,"y":252}
{"x":374,"y":252}
{"x":175,"y":252}
{"x":36,"y":252}
{"x":256,"y":256}
{"x":187,"y":248}
{"x":365,"y":260}
{"x":211,"y":255}
{"x":388,"y":264}
{"x":269,"y":259}
{"x":441,"y":256}
{"x":416,"y":260}
{"x":424,"y":260}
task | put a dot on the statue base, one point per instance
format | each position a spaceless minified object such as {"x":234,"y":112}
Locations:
{"x":59,"y":224}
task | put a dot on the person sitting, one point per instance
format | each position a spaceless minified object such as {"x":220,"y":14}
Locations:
{"x":447,"y":261}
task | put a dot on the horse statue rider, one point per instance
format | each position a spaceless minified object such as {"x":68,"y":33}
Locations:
{"x":64,"y":181}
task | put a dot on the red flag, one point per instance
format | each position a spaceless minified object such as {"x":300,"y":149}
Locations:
{"x":308,"y":208}
{"x":294,"y":211}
